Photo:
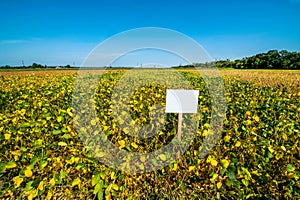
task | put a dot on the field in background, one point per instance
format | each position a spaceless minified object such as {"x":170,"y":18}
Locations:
{"x":257,"y":155}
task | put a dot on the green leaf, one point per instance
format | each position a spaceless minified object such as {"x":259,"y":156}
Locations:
{"x":28,"y":186}
{"x":66,"y":136}
{"x":223,"y":171}
{"x":290,"y":168}
{"x":245,"y":182}
{"x":43,"y":164}
{"x":33,"y":161}
{"x":10,"y":165}
{"x":38,"y":142}
{"x":100,"y":195}
{"x":2,"y":167}
{"x":98,"y":187}
{"x":56,"y":132}
{"x":231,"y":175}
{"x":229,"y":183}
{"x":154,"y":161}
{"x":62,"y":175}
{"x":95,"y":179}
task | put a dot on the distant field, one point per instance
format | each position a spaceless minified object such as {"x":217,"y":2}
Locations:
{"x":257,"y":155}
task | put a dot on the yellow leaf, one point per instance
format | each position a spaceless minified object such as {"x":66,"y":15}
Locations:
{"x":143,"y":158}
{"x":256,"y":118}
{"x":214,"y":177}
{"x":52,"y":182}
{"x":248,"y":113}
{"x":69,"y":129}
{"x":49,"y":195}
{"x":16,"y":153}
{"x":7,"y":136}
{"x":205,"y":133}
{"x":93,"y":122}
{"x":227,"y":138}
{"x":141,"y":166}
{"x":28,"y":172}
{"x":41,"y":185}
{"x":32,"y":193}
{"x":77,"y":181}
{"x":122,"y":143}
{"x":248,"y":122}
{"x":238,"y":143}
{"x":175,"y":167}
{"x":163,"y":157}
{"x":134,"y":145}
{"x":213,"y":162}
{"x":219,"y":185}
{"x":284,"y":136}
{"x":17,"y":181}
{"x":59,"y":118}
{"x":10,"y":165}
{"x":191,"y":168}
{"x":115,"y":187}
{"x":112,"y":175}
{"x":271,"y":149}
{"x":225,"y":163}
{"x":62,"y":144}
{"x":283,"y":148}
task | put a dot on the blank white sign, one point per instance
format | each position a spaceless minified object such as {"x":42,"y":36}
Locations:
{"x":182,"y":101}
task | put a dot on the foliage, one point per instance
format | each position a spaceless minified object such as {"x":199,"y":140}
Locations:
{"x":41,"y":155}
{"x":270,"y":60}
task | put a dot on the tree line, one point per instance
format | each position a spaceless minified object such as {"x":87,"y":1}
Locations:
{"x":273,"y":59}
{"x":33,"y":66}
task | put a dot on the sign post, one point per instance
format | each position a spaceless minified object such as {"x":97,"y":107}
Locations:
{"x":181,"y":101}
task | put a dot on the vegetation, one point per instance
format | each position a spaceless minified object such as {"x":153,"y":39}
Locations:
{"x":270,"y":60}
{"x":33,"y":66}
{"x":41,"y":155}
{"x":273,"y":59}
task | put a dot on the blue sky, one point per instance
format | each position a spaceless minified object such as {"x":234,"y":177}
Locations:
{"x":60,"y":32}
